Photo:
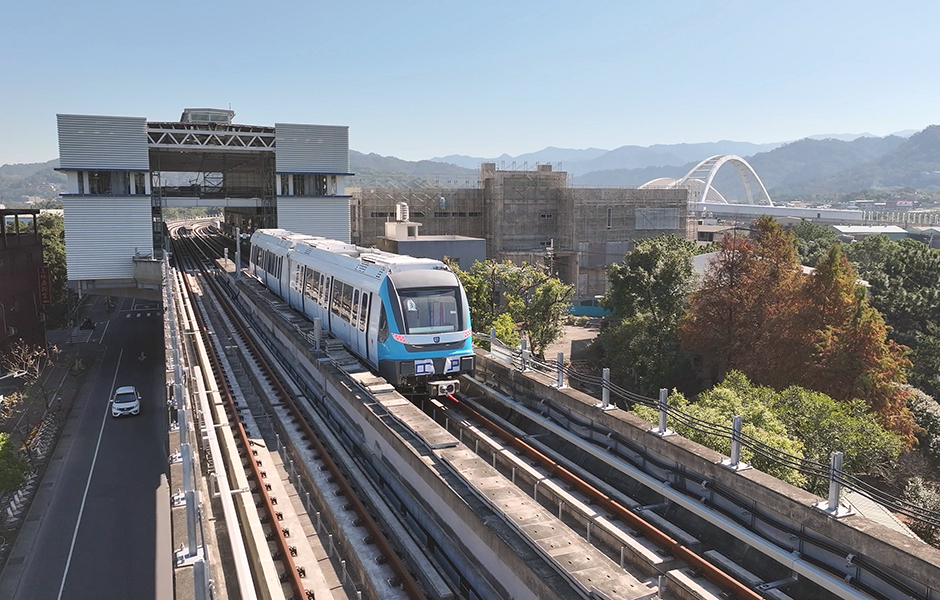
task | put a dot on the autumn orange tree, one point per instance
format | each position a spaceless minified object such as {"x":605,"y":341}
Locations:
{"x":734,"y":321}
{"x":848,"y":354}
{"x":757,"y":314}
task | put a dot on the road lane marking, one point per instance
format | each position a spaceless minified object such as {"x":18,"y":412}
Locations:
{"x":105,"y":331}
{"x":90,"y":473}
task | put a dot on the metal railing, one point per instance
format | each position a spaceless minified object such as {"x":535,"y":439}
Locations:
{"x":523,"y":359}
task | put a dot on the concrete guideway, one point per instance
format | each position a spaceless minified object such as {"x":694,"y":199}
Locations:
{"x":501,"y":565}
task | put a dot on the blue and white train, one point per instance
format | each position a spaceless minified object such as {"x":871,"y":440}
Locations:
{"x":407,"y":318}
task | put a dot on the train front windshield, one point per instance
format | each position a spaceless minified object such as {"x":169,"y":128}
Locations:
{"x":431,"y":310}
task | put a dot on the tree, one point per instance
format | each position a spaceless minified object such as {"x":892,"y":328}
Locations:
{"x":506,"y":330}
{"x":647,"y":296}
{"x":797,"y":421}
{"x":30,"y":360}
{"x":926,"y":413}
{"x":825,"y":425}
{"x":718,"y":406}
{"x":52,"y":231}
{"x":869,"y":254}
{"x":654,"y":279}
{"x":925,"y":356}
{"x":758,"y":314}
{"x":10,"y":406}
{"x":536,"y":302}
{"x":849,"y":354}
{"x":545,"y":306}
{"x":812,"y":240}
{"x":926,"y":495}
{"x":13,"y":469}
{"x":905,"y":288}
{"x":745,"y":303}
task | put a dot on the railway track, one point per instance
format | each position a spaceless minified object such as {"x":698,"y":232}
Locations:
{"x":636,"y":536}
{"x":193,"y":256}
{"x":661,"y":543}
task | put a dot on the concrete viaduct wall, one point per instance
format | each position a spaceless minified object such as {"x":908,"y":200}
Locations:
{"x":893,"y":552}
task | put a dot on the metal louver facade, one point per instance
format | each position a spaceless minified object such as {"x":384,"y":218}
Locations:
{"x":103,"y":233}
{"x":325,"y":216}
{"x":89,"y":143}
{"x":322,"y":149}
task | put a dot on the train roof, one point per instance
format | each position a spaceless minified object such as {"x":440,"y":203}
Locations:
{"x":305,"y":244}
{"x":281,"y":238}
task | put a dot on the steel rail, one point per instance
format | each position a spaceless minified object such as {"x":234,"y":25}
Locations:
{"x":280,"y":539}
{"x":710,"y":571}
{"x":408,"y":582}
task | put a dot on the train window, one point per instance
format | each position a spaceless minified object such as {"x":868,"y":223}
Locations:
{"x":430,"y":311}
{"x":312,"y":285}
{"x":347,"y":302}
{"x":383,"y":325}
{"x":364,"y":312}
{"x":337,"y":297}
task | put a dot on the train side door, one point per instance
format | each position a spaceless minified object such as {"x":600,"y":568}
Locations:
{"x":352,"y":316}
{"x":363,"y":325}
{"x":327,"y":297}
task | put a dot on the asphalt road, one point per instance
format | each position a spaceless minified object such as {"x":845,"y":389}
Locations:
{"x":103,"y":525}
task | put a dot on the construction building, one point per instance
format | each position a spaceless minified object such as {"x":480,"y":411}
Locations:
{"x":123,"y":172}
{"x":533,"y":216}
{"x":401,"y":237}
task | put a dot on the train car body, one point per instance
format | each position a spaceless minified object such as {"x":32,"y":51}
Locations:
{"x":407,"y":318}
{"x":268,"y":255}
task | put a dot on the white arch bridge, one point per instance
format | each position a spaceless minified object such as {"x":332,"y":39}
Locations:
{"x":699,"y":181}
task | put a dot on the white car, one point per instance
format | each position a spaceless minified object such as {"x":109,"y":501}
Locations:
{"x":126,"y":401}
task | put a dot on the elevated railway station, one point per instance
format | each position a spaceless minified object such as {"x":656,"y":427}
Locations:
{"x":122,"y":172}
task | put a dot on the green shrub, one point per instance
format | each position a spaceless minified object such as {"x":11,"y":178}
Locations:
{"x":13,"y":468}
{"x":926,"y":495}
{"x":927,"y":416}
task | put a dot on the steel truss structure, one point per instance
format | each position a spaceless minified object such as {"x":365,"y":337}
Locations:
{"x":217,"y":136}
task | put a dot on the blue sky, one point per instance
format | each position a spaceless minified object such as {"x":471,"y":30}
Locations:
{"x":422,"y":79}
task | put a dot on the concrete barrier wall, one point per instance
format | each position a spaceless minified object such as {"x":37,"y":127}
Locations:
{"x":894,"y":551}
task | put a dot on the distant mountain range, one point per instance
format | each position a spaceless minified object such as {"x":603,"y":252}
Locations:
{"x":37,"y":180}
{"x":815,"y":166}
{"x":579,"y":162}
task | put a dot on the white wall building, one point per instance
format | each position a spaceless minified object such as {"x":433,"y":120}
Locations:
{"x":123,"y":171}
